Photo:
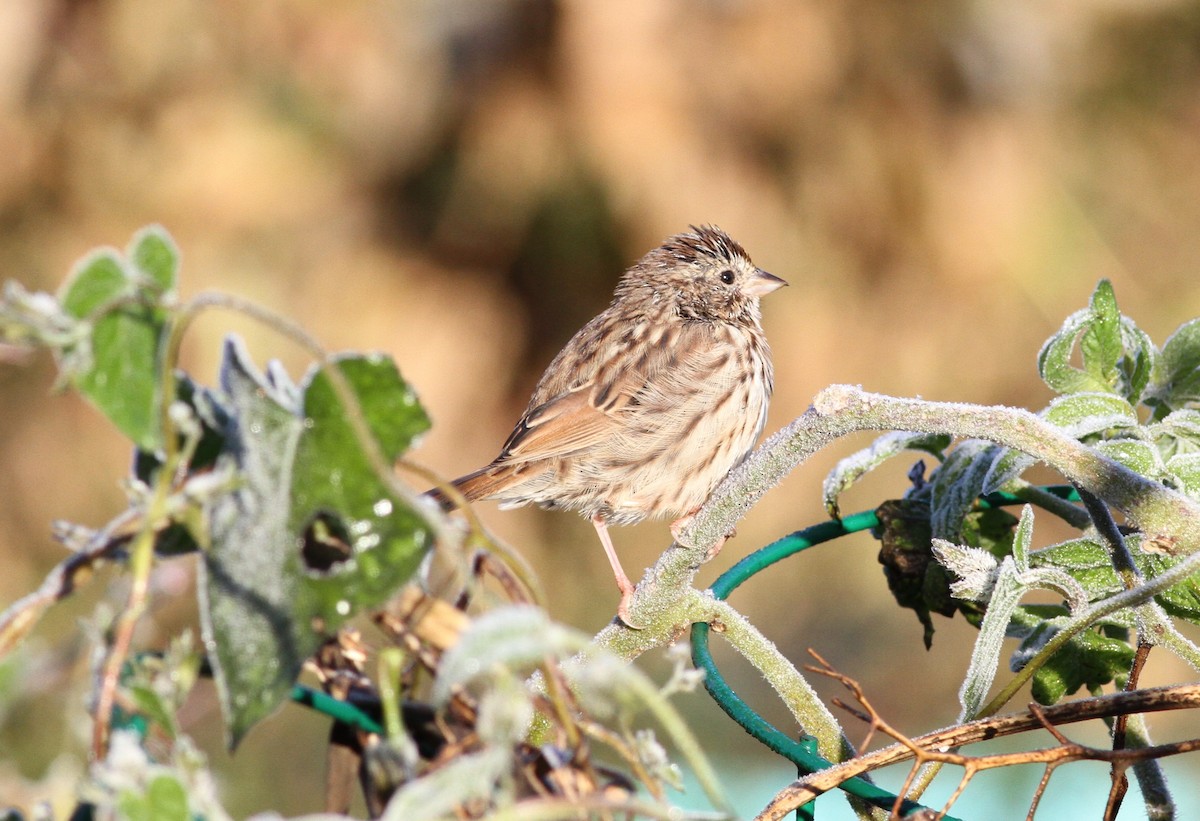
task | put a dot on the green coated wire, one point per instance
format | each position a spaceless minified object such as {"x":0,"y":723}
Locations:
{"x":801,"y":752}
{"x":342,"y":711}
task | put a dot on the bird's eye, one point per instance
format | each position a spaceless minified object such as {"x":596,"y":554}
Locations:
{"x":726,"y":276}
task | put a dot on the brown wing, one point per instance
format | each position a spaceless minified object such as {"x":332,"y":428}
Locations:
{"x":650,"y":388}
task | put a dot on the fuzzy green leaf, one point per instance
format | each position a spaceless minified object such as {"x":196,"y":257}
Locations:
{"x":1117,"y":357}
{"x":1138,"y":361}
{"x":852,"y":468}
{"x":333,"y":481}
{"x":1100,"y":344}
{"x":956,"y":484}
{"x":252,"y":609}
{"x":164,"y":799}
{"x":1177,"y":433}
{"x":1088,"y":563}
{"x":1007,"y":465}
{"x":96,"y":280}
{"x":1090,"y":659}
{"x":1140,"y":457}
{"x":304,"y":477}
{"x":1084,"y":414}
{"x":117,"y":366}
{"x":156,"y":257}
{"x":1054,"y":359}
{"x":1185,"y":467}
{"x":1177,"y":380}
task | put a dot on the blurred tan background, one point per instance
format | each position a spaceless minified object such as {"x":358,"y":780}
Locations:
{"x":460,"y":184}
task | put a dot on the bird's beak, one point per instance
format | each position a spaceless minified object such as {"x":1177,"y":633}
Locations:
{"x":763,"y":283}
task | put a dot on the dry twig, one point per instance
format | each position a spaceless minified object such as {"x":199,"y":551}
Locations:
{"x":941,"y":746}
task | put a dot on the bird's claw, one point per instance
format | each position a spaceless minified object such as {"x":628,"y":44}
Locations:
{"x":623,"y":610}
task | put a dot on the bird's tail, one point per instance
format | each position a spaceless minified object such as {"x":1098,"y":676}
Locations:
{"x":482,"y":484}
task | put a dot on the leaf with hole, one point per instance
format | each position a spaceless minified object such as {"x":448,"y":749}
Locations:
{"x":334,"y":483}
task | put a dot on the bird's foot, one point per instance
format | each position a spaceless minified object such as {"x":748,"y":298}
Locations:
{"x":623,"y":610}
{"x":716,"y":548}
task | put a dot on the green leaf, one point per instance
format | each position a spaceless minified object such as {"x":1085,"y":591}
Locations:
{"x":985,"y":657}
{"x":1084,"y":414}
{"x":156,"y":257}
{"x":1022,"y":538}
{"x":1100,"y":343}
{"x":1118,"y":357}
{"x":96,"y":280}
{"x":956,"y":484}
{"x":1185,"y":467}
{"x":1086,"y":561}
{"x":1177,"y":380}
{"x":1140,"y":457}
{"x":990,"y":529}
{"x":333,"y":478}
{"x":150,"y":704}
{"x":1054,"y":359}
{"x":304,"y":477}
{"x":1090,"y":659}
{"x":164,"y":799}
{"x":1007,"y":465}
{"x":116,"y":366}
{"x":1137,"y":363}
{"x":1089,"y":564}
{"x":1178,"y":432}
{"x":252,"y":609}
{"x":1181,"y":600}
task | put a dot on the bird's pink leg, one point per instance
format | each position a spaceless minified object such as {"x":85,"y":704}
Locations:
{"x":623,"y":583}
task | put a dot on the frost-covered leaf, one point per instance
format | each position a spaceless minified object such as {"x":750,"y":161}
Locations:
{"x":1022,"y":538}
{"x":1178,"y":432}
{"x":435,"y":796}
{"x":1177,"y":378}
{"x":1007,"y":465}
{"x":505,"y":711}
{"x":266,"y":603}
{"x":956,"y":484}
{"x":1089,"y":564}
{"x":1054,"y":359}
{"x":116,"y":365}
{"x":1084,"y":414}
{"x":1090,"y":659}
{"x":1185,"y":467}
{"x":1138,"y":363}
{"x":976,"y":569}
{"x":1117,"y":357}
{"x":852,"y":468}
{"x":155,"y":257}
{"x":504,"y":641}
{"x":334,"y":485}
{"x":1100,"y":343}
{"x":252,"y":607}
{"x":985,"y":657}
{"x":1135,"y":454}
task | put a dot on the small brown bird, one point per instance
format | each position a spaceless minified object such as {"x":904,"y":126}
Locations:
{"x":652,"y":402}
